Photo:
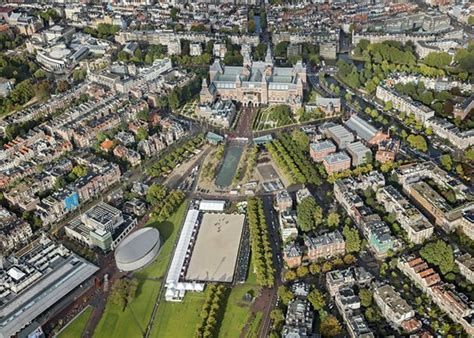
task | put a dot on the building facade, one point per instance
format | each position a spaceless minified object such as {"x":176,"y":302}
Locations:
{"x":256,"y":83}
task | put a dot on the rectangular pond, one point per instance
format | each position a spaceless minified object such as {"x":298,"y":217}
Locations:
{"x":229,"y":164}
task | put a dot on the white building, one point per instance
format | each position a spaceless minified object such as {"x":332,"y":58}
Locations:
{"x":103,"y":226}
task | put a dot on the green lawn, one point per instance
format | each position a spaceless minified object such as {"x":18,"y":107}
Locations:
{"x":237,"y":312}
{"x":178,"y":319}
{"x":77,"y":326}
{"x":255,"y":325}
{"x":133,"y":321}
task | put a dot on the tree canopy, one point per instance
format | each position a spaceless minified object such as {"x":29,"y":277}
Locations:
{"x":310,"y":214}
{"x":330,"y":326}
{"x":440,"y":254}
{"x":317,"y":300}
{"x":353,"y":241}
{"x":438,"y":59}
{"x":418,"y":142}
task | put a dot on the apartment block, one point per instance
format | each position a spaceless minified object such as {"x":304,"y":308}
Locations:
{"x":410,"y":218}
{"x":466,"y":266}
{"x":394,"y":308}
{"x":336,"y":162}
{"x":359,"y":153}
{"x":325,"y":246}
{"x":319,"y":150}
{"x":340,"y":135}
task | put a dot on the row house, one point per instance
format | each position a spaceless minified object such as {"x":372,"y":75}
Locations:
{"x":325,"y":246}
{"x":56,"y":206}
{"x":466,"y":266}
{"x":288,"y":224}
{"x":152,"y":145}
{"x":443,"y":213}
{"x":410,"y":218}
{"x":300,"y":316}
{"x":402,"y":103}
{"x":91,"y":185}
{"x":395,"y":309}
{"x":348,"y":304}
{"x":23,"y":197}
{"x":448,"y":131}
{"x":131,"y":156}
{"x":349,"y":277}
{"x":374,"y":229}
{"x":292,"y":255}
{"x":13,"y":231}
{"x":7,"y":177}
{"x":455,"y":304}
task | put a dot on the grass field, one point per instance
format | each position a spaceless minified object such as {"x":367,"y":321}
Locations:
{"x":181,"y":319}
{"x":77,"y":326}
{"x":132,"y":322}
{"x":178,"y":319}
{"x":237,"y":312}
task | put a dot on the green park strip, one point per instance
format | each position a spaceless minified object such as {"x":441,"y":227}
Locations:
{"x":75,"y":328}
{"x":237,"y":313}
{"x":132,"y":321}
{"x":181,"y":319}
{"x":178,"y":319}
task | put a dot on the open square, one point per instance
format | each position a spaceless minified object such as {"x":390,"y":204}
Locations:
{"x":217,"y":247}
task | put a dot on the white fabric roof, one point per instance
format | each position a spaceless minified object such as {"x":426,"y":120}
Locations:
{"x":182,"y":246}
{"x":212,"y":205}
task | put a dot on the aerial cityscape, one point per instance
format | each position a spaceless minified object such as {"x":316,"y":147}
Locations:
{"x":292,"y":169}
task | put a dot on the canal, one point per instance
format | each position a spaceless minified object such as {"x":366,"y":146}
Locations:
{"x":229,"y":164}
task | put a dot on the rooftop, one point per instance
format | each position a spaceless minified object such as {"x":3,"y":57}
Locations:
{"x":337,"y":158}
{"x":361,"y":127}
{"x":322,"y":145}
{"x":358,"y":148}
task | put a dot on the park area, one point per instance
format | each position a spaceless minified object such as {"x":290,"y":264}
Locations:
{"x":132,"y":321}
{"x":273,"y":117}
{"x":236,"y":314}
{"x":76,"y":328}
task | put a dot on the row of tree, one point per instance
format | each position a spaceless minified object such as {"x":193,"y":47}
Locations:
{"x":163,"y":201}
{"x":261,"y":249}
{"x":207,"y":327}
{"x":293,"y":161}
{"x":171,"y":160}
{"x":316,"y":268}
{"x":251,"y":160}
{"x":362,"y":169}
{"x":209,"y":170}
